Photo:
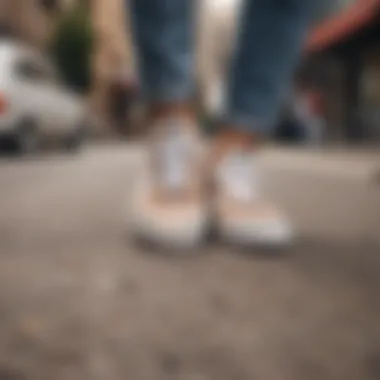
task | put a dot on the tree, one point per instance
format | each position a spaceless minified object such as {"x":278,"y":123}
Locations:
{"x":72,"y":47}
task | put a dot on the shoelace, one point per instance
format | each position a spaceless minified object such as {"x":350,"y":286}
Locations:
{"x":237,"y":175}
{"x":175,"y":152}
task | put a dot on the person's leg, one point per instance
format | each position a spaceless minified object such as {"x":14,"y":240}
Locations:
{"x":164,"y":36}
{"x":270,"y":41}
{"x":167,"y":205}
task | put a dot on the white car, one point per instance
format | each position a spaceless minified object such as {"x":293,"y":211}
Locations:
{"x":34,"y":104}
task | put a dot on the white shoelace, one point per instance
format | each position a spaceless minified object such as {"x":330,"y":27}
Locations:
{"x":238,"y":176}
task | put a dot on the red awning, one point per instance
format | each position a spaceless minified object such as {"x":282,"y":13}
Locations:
{"x":344,"y":25}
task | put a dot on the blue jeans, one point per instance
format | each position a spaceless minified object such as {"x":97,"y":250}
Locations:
{"x":270,"y":40}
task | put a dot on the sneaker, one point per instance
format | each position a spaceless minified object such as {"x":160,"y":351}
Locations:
{"x":168,"y":206}
{"x":242,"y":214}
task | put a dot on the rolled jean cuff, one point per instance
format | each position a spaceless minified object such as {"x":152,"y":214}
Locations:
{"x":250,"y":124}
{"x":168,"y":94}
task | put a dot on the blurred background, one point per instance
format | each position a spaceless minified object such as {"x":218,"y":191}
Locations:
{"x":78,"y":299}
{"x":336,"y":91}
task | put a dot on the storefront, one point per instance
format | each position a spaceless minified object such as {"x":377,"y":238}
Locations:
{"x":343,"y":61}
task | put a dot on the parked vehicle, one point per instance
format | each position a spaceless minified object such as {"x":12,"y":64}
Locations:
{"x":35,"y":106}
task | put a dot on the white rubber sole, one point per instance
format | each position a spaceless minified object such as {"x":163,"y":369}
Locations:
{"x":271,"y":234}
{"x":186,"y":235}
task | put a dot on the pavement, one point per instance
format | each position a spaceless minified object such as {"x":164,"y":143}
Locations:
{"x":79,"y":300}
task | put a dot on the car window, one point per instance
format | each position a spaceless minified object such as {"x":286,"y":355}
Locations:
{"x":33,"y":70}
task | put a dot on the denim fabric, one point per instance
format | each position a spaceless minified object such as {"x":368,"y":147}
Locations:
{"x":163,"y":31}
{"x":269,"y":43}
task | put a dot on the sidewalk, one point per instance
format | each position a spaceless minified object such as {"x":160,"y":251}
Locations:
{"x":343,"y":163}
{"x":76,"y":292}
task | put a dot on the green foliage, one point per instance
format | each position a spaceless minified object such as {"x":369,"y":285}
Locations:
{"x":72,"y":47}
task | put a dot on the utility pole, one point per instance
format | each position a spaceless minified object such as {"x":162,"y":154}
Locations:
{"x":113,"y":50}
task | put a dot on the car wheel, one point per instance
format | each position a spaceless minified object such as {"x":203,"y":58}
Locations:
{"x":27,"y":140}
{"x":74,"y":142}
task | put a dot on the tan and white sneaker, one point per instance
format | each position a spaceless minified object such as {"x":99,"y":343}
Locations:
{"x":242,"y":214}
{"x":168,"y":207}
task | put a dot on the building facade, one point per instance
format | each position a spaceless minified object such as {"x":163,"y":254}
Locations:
{"x":343,"y":60}
{"x":31,"y":20}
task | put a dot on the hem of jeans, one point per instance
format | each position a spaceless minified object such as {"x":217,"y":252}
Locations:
{"x":168,"y":95}
{"x":250,"y":124}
